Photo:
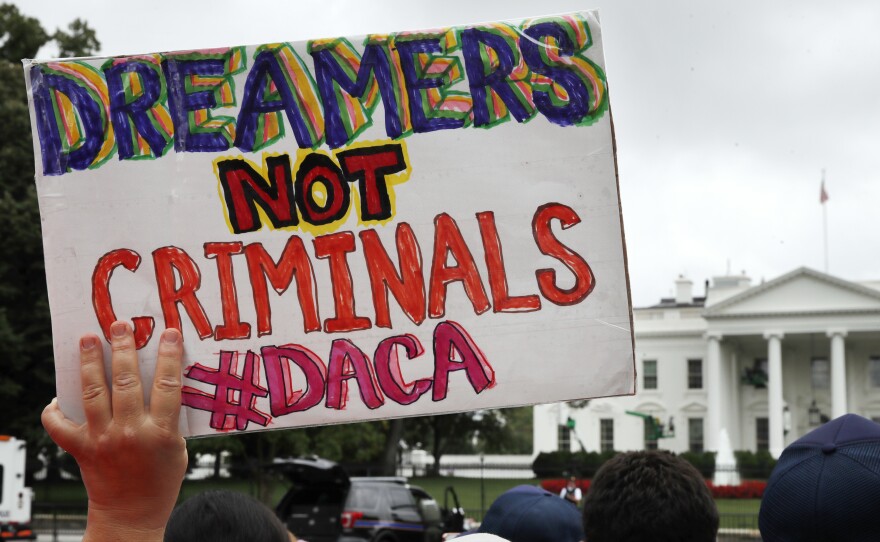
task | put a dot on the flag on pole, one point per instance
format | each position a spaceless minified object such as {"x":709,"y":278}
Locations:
{"x":823,"y":195}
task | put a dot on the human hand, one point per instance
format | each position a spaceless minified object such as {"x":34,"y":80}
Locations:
{"x":132,"y":458}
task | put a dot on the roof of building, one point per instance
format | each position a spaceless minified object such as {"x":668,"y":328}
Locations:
{"x":670,"y":303}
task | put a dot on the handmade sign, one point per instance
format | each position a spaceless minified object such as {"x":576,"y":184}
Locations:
{"x":344,"y":229}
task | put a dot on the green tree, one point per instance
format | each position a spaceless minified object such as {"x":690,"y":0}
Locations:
{"x":79,"y":40}
{"x":21,"y":36}
{"x":515,"y":434}
{"x":459,"y":433}
{"x":27,"y":373}
{"x":252,"y":453}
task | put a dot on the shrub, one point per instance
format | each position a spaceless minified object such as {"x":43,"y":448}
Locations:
{"x":563,"y":463}
{"x":703,"y":461}
{"x":757,"y":465}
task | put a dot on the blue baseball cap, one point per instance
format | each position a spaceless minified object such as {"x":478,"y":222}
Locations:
{"x":531,"y":514}
{"x":826,"y":486}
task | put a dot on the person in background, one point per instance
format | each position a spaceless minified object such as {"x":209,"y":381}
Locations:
{"x":131,"y":456}
{"x":224,"y":516}
{"x":650,"y":496}
{"x":826,"y":486}
{"x":571,"y":492}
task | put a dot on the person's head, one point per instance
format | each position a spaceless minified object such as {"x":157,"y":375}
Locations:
{"x":572,"y":482}
{"x":826,"y":486}
{"x":531,"y":514}
{"x":649,"y":496}
{"x":224,"y":516}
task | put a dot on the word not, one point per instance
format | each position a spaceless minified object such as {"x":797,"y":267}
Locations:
{"x":319,"y":190}
{"x":233,"y":402}
{"x":178,"y":278}
{"x":141,"y":106}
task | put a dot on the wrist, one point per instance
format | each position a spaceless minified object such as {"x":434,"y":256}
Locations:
{"x":112,"y":525}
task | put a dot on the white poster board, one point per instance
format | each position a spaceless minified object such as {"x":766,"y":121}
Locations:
{"x":343,"y":229}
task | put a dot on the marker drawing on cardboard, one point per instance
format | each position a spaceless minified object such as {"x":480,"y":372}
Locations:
{"x":344,"y":229}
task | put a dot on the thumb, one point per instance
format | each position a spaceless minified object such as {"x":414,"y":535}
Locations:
{"x":64,"y":432}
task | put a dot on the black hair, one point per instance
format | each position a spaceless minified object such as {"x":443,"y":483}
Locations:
{"x":224,"y":516}
{"x":649,"y":496}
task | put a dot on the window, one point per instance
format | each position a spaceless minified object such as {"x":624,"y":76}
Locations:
{"x":820,"y":370}
{"x":695,"y":374}
{"x":400,"y":498}
{"x":563,"y":439}
{"x":649,"y":374}
{"x":362,"y":498}
{"x":762,"y":434}
{"x":650,"y":435}
{"x":874,"y":370}
{"x":606,"y":435}
{"x":695,"y":434}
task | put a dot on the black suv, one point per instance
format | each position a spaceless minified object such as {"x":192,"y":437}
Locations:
{"x":325,"y":505}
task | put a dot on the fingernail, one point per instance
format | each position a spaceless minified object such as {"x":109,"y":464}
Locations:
{"x":171,"y":336}
{"x":87,"y":343}
{"x":118,"y":329}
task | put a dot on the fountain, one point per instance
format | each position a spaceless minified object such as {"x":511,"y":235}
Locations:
{"x":726,"y":473}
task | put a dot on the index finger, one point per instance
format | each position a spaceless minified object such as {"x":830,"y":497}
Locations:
{"x":165,"y":395}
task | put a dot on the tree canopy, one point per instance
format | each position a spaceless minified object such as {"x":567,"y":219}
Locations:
{"x":27,"y":374}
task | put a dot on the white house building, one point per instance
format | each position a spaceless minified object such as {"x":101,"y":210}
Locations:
{"x":765,"y":363}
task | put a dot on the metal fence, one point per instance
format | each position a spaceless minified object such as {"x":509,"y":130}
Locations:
{"x":58,"y":520}
{"x":738,"y":517}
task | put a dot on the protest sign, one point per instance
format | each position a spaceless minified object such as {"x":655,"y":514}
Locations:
{"x":344,"y":229}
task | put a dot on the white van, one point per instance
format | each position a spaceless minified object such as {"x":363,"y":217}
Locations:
{"x":15,"y":498}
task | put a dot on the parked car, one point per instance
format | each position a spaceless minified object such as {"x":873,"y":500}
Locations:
{"x":325,"y":505}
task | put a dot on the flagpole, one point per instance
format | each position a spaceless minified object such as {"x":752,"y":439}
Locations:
{"x":825,"y":220}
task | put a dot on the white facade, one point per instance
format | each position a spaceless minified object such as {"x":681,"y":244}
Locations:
{"x":812,"y":338}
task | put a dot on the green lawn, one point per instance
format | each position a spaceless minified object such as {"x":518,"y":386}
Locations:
{"x":468,"y":490}
{"x":738,"y":506}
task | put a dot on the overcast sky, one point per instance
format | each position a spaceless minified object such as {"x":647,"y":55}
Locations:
{"x":725,"y":113}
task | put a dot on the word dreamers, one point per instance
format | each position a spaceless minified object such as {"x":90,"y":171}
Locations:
{"x":323,"y":91}
{"x":236,"y":390}
{"x":178,"y":278}
{"x":319,"y":190}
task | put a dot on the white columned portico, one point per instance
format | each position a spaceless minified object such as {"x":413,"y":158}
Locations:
{"x":713,"y":390}
{"x":839,"y":405}
{"x":774,"y":391}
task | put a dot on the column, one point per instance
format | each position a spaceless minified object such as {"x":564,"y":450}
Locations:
{"x":838,"y":373}
{"x":713,"y":391}
{"x":733,"y":422}
{"x":774,"y":391}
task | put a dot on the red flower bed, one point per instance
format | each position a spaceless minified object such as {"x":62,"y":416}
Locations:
{"x":555,"y":485}
{"x":748,"y":489}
